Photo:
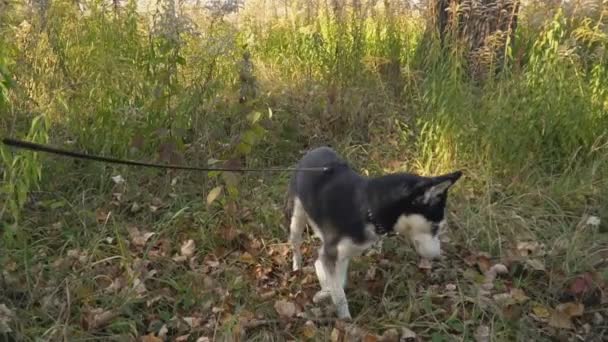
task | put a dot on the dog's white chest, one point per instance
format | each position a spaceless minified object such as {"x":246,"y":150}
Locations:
{"x":347,"y":248}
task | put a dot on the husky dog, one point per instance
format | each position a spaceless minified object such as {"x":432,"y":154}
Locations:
{"x":349,"y":213}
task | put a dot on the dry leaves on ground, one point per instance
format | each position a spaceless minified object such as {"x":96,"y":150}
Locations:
{"x":561,"y":317}
{"x":97,"y":318}
{"x":214,"y":194}
{"x":138,"y":237}
{"x":285,"y":309}
{"x":187,"y":250}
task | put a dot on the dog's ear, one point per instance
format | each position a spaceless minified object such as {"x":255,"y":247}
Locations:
{"x":436,"y":186}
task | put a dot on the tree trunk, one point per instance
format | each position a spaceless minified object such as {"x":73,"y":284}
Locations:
{"x":486,"y":27}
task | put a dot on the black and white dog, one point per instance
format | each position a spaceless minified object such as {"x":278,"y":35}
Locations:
{"x":349,"y":213}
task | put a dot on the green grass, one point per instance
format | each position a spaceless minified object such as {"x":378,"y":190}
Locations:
{"x":399,"y":296}
{"x":532,"y":144}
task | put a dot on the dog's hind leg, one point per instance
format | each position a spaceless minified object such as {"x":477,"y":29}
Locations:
{"x":296,"y":228}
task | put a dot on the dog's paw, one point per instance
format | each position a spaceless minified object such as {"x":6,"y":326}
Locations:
{"x":321,"y":296}
{"x":296,"y":263}
{"x":344,"y":315}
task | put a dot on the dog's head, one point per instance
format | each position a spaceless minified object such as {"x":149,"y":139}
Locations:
{"x":419,"y":214}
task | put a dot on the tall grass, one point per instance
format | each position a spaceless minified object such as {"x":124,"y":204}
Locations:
{"x":116,"y":81}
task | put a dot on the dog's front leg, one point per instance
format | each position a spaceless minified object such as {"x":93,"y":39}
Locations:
{"x":323,"y":277}
{"x":325,"y":292}
{"x":337,"y":281}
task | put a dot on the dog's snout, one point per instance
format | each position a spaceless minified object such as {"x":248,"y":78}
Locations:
{"x":427,"y":246}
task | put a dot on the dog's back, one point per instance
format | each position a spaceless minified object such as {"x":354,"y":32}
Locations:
{"x":329,"y":198}
{"x":319,"y":157}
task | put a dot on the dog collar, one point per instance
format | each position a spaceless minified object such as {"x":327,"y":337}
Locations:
{"x":378,"y":227}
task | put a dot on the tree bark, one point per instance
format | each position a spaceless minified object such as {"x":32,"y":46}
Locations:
{"x":486,"y":27}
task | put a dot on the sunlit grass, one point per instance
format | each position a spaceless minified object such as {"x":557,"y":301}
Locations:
{"x":375,"y":85}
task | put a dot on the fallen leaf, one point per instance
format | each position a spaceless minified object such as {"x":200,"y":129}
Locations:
{"x":203,"y":339}
{"x":483,"y":262}
{"x":139,"y":287}
{"x":247,"y":258}
{"x":560,"y":321}
{"x":407,"y":334}
{"x":541,"y":311}
{"x":161,"y":249}
{"x":337,"y":335}
{"x":212,"y":263}
{"x":97,"y":318}
{"x":491,"y":274}
{"x":598,"y":319}
{"x":79,"y":255}
{"x":138,"y":238}
{"x":117,"y":196}
{"x":593,"y":221}
{"x":536,"y":264}
{"x":571,"y":309}
{"x":512,"y":312}
{"x":10,"y":265}
{"x":470,"y":260}
{"x":482,"y":334}
{"x":187,"y":248}
{"x":151,"y":338}
{"x":162,"y":333}
{"x":561,"y":317}
{"x":529,"y":248}
{"x":581,"y":285}
{"x":193,"y":322}
{"x":214,"y":194}
{"x":391,"y":335}
{"x":519,"y":295}
{"x":309,"y":330}
{"x":284,"y":308}
{"x":118,"y":179}
{"x":117,"y":285}
{"x":499,"y":269}
{"x":180,"y":258}
{"x":229,"y":234}
{"x":268,"y":294}
{"x":102,"y":215}
{"x":503,"y":299}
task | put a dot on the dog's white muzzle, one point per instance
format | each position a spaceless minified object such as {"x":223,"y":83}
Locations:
{"x":427,"y":246}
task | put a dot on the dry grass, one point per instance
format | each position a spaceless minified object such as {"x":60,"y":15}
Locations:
{"x":83,"y":272}
{"x":90,"y":259}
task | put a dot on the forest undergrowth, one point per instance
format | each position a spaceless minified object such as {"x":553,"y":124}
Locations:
{"x":94,"y":251}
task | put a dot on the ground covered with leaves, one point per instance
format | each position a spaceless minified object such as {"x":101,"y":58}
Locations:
{"x":92,"y":251}
{"x":154,"y":261}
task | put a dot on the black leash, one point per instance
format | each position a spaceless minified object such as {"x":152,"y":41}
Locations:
{"x":43,"y":148}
